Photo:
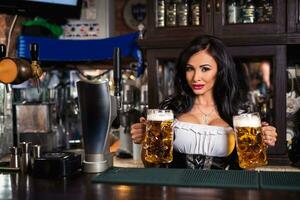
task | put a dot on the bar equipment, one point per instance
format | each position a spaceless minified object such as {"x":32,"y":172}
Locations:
{"x":97,"y":111}
{"x":14,"y":157}
{"x":16,"y":70}
{"x":128,"y":116}
{"x":26,"y":157}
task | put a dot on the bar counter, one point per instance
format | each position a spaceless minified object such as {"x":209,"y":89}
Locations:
{"x":79,"y":186}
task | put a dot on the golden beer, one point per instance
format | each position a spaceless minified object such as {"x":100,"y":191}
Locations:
{"x":250,"y":146}
{"x":158,"y":142}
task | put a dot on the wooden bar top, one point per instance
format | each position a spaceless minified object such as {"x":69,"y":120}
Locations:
{"x":79,"y":186}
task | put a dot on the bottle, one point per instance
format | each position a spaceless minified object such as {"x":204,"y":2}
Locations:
{"x":195,"y":13}
{"x":268,"y":10}
{"x":170,"y":13}
{"x":248,"y":12}
{"x":259,"y":12}
{"x":160,"y":13}
{"x":233,"y":11}
{"x":182,"y":12}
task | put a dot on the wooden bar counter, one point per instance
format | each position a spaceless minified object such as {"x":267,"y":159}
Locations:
{"x":19,"y":186}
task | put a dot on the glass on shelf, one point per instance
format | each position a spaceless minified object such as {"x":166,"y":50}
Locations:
{"x":160,"y":13}
{"x":182,"y":9}
{"x":170,"y":13}
{"x":195,"y":13}
{"x":233,"y":11}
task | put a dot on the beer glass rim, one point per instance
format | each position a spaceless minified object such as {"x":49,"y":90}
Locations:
{"x":237,"y":119}
{"x":250,"y":113}
{"x":159,"y":110}
{"x":164,"y":114}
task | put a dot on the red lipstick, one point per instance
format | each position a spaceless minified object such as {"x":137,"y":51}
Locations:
{"x":198,"y":86}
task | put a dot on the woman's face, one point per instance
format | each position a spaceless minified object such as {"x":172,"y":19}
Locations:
{"x":201,"y":72}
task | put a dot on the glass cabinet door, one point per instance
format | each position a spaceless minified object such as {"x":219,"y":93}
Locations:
{"x":179,"y":18}
{"x":249,"y":17}
{"x":266,"y":67}
{"x":293,"y":15}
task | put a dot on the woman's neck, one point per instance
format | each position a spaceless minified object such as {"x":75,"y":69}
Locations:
{"x":204,"y":100}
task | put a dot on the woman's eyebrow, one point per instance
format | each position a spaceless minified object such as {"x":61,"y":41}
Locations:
{"x":205,"y":65}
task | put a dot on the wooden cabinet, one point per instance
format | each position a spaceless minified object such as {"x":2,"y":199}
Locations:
{"x":215,"y":19}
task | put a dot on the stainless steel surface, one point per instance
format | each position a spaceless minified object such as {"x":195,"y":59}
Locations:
{"x":25,"y":157}
{"x":97,"y":111}
{"x":36,"y":151}
{"x":14,"y":157}
{"x":33,"y":118}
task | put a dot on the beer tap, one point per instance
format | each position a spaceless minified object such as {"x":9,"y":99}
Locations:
{"x":35,"y":67}
{"x":2,"y":51}
{"x":17,"y":70}
{"x":117,"y":80}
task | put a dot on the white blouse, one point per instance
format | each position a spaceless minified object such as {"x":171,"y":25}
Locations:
{"x":191,"y":138}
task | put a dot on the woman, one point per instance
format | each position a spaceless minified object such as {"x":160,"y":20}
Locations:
{"x":207,"y":96}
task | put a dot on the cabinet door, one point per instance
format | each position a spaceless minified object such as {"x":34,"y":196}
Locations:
{"x":249,"y":18}
{"x":293,"y":15}
{"x":276,"y":55}
{"x":161,"y":64}
{"x":159,"y":11}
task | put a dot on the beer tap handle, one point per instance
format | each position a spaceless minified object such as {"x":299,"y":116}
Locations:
{"x":34,"y":48}
{"x":117,"y":81}
{"x":36,"y":69}
{"x":117,"y":75}
{"x":2,"y":51}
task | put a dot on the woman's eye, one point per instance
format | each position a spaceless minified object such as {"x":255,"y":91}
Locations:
{"x":204,"y":69}
{"x":188,"y":69}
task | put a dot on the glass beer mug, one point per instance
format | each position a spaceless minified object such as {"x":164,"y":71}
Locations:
{"x":158,"y":142}
{"x":250,"y":146}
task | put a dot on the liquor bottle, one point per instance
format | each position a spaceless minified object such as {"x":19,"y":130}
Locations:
{"x":264,"y":11}
{"x":170,"y":13}
{"x":160,"y":13}
{"x":182,"y":12}
{"x":248,"y":12}
{"x":194,"y":12}
{"x":268,"y":10}
{"x":233,"y":11}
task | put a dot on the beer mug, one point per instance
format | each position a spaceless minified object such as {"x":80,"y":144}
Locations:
{"x":250,"y":146}
{"x":158,"y":142}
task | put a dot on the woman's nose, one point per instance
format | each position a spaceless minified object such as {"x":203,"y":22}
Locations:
{"x":197,"y":75}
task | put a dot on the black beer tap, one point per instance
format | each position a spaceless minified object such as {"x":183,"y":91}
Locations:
{"x":2,"y":50}
{"x":36,"y":69}
{"x":117,"y":80}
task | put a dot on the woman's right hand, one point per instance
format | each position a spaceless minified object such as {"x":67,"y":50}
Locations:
{"x":138,"y":131}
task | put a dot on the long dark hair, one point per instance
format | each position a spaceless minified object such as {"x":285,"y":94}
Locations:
{"x":225,"y":90}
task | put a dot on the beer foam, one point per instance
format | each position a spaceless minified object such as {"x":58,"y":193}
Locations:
{"x":160,"y":116}
{"x":246,"y":120}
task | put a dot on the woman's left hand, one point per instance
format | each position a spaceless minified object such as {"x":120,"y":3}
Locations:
{"x":269,"y":134}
